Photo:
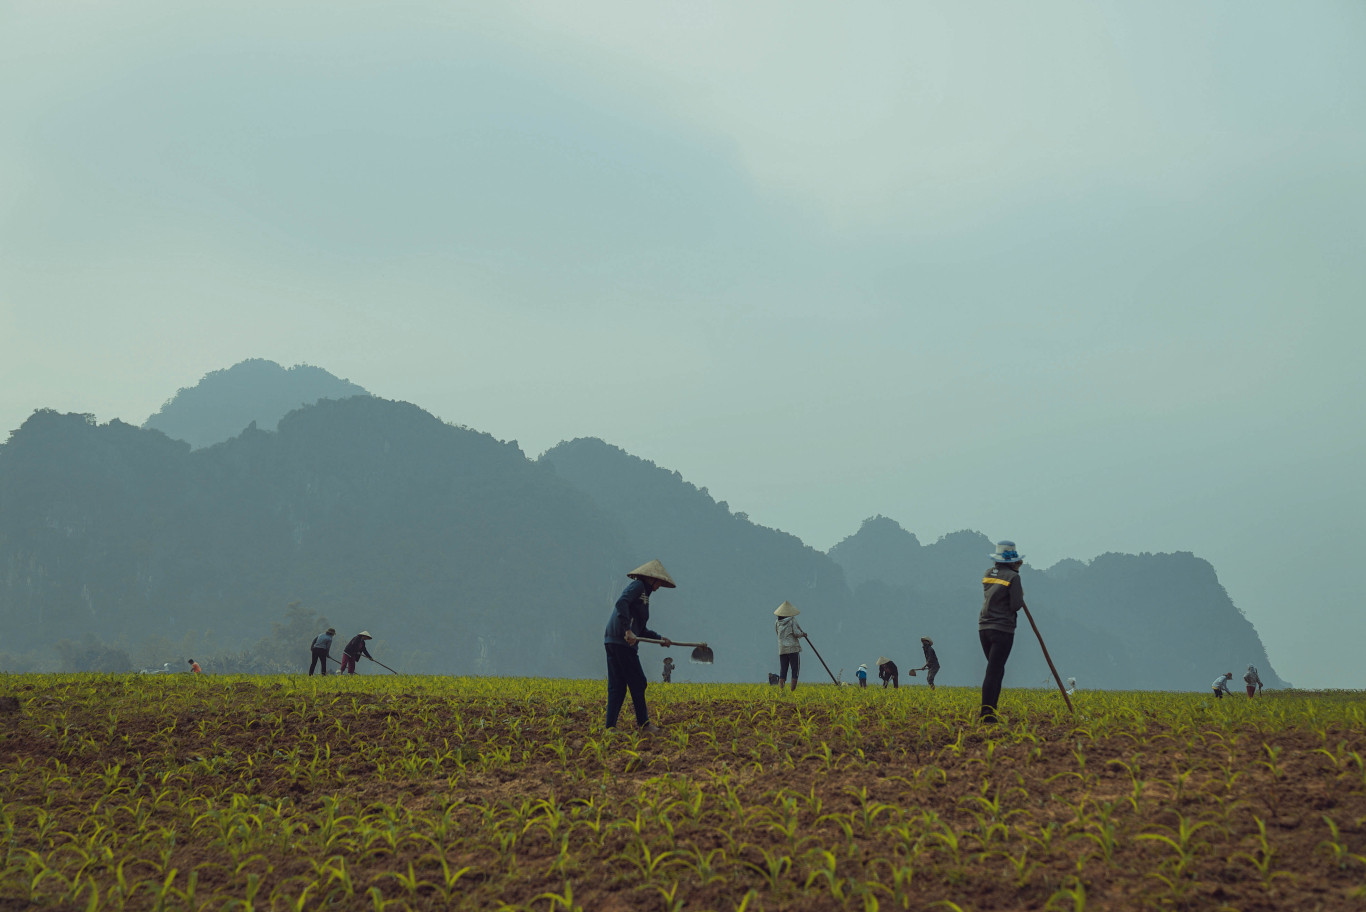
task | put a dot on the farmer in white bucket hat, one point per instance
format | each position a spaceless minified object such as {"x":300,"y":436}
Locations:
{"x":789,"y":643}
{"x":1002,"y":599}
{"x":628,"y":621}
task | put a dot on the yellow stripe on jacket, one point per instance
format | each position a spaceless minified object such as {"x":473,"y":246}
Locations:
{"x":998,"y":582}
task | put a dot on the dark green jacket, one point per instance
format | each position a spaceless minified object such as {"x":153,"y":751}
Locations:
{"x":1002,"y":599}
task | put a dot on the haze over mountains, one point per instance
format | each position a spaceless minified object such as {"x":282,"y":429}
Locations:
{"x":463,"y":555}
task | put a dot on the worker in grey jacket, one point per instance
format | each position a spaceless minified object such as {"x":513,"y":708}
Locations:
{"x":1253,"y":680}
{"x":322,"y":650}
{"x":789,"y":643}
{"x":1002,"y":599}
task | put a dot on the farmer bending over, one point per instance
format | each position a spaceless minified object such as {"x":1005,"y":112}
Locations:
{"x":1220,"y":684}
{"x":886,"y":670}
{"x":354,"y":650}
{"x":1002,"y":599}
{"x":322,"y":649}
{"x":628,"y":622}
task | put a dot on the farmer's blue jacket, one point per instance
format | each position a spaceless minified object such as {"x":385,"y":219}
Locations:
{"x":632,"y":612}
{"x":323,"y":641}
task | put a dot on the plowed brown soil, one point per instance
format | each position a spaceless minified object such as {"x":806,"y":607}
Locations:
{"x":374,"y":794}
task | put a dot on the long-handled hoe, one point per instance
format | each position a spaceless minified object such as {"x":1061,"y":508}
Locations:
{"x":702,"y":654}
{"x":380,"y":664}
{"x":822,"y":661}
{"x":1049,"y":660}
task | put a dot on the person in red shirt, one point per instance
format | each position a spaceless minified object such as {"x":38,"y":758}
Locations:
{"x":194,"y":667}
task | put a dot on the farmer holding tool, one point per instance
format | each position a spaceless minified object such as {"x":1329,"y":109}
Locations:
{"x":1002,"y":599}
{"x":628,"y":622}
{"x":668,"y":669}
{"x":931,"y":661}
{"x":194,"y":667}
{"x":1220,"y":684}
{"x":322,"y":649}
{"x":886,"y":670}
{"x":862,"y":675}
{"x":789,"y":643}
{"x":354,"y":650}
{"x":1253,"y":680}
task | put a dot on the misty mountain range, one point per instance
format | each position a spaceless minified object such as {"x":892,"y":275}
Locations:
{"x":261,"y":487}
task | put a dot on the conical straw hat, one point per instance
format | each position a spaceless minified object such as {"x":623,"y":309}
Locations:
{"x":928,"y":640}
{"x":786,"y":610}
{"x":366,"y":634}
{"x":883,"y":660}
{"x":654,"y":570}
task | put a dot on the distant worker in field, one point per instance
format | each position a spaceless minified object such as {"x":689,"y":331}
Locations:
{"x":1071,"y":686}
{"x":862,"y":675}
{"x":194,"y":667}
{"x":1002,"y":599}
{"x":886,"y":670}
{"x":1220,"y":684}
{"x":789,"y":643}
{"x":322,"y":649}
{"x":931,"y":667}
{"x":668,"y":669}
{"x":354,"y":650}
{"x":628,"y":622}
{"x":1253,"y":680}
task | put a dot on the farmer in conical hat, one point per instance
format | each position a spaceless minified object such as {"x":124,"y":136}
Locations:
{"x":668,"y":669}
{"x":628,"y":621}
{"x":931,"y":667}
{"x":1002,"y":599}
{"x":886,"y":670}
{"x":789,"y":643}
{"x":354,"y":650}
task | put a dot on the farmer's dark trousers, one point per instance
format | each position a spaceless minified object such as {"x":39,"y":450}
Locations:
{"x":996,"y":645}
{"x":319,"y":655}
{"x":789,"y":660}
{"x":624,"y":673}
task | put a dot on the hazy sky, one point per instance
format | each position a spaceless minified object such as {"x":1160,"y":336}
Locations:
{"x":1084,"y":275}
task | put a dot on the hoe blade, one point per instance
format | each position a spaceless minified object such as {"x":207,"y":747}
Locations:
{"x":702,"y":655}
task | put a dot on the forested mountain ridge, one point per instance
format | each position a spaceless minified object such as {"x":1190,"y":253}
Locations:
{"x":731,"y":572}
{"x":439,"y":539}
{"x":1151,"y":621}
{"x":462,"y":555}
{"x":255,"y":391}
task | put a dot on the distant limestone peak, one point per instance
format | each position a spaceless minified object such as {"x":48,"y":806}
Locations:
{"x":260,"y":392}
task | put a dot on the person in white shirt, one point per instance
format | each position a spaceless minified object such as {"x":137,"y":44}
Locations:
{"x":1220,"y":684}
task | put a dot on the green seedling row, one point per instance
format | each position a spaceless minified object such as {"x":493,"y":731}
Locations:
{"x":289,"y":793}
